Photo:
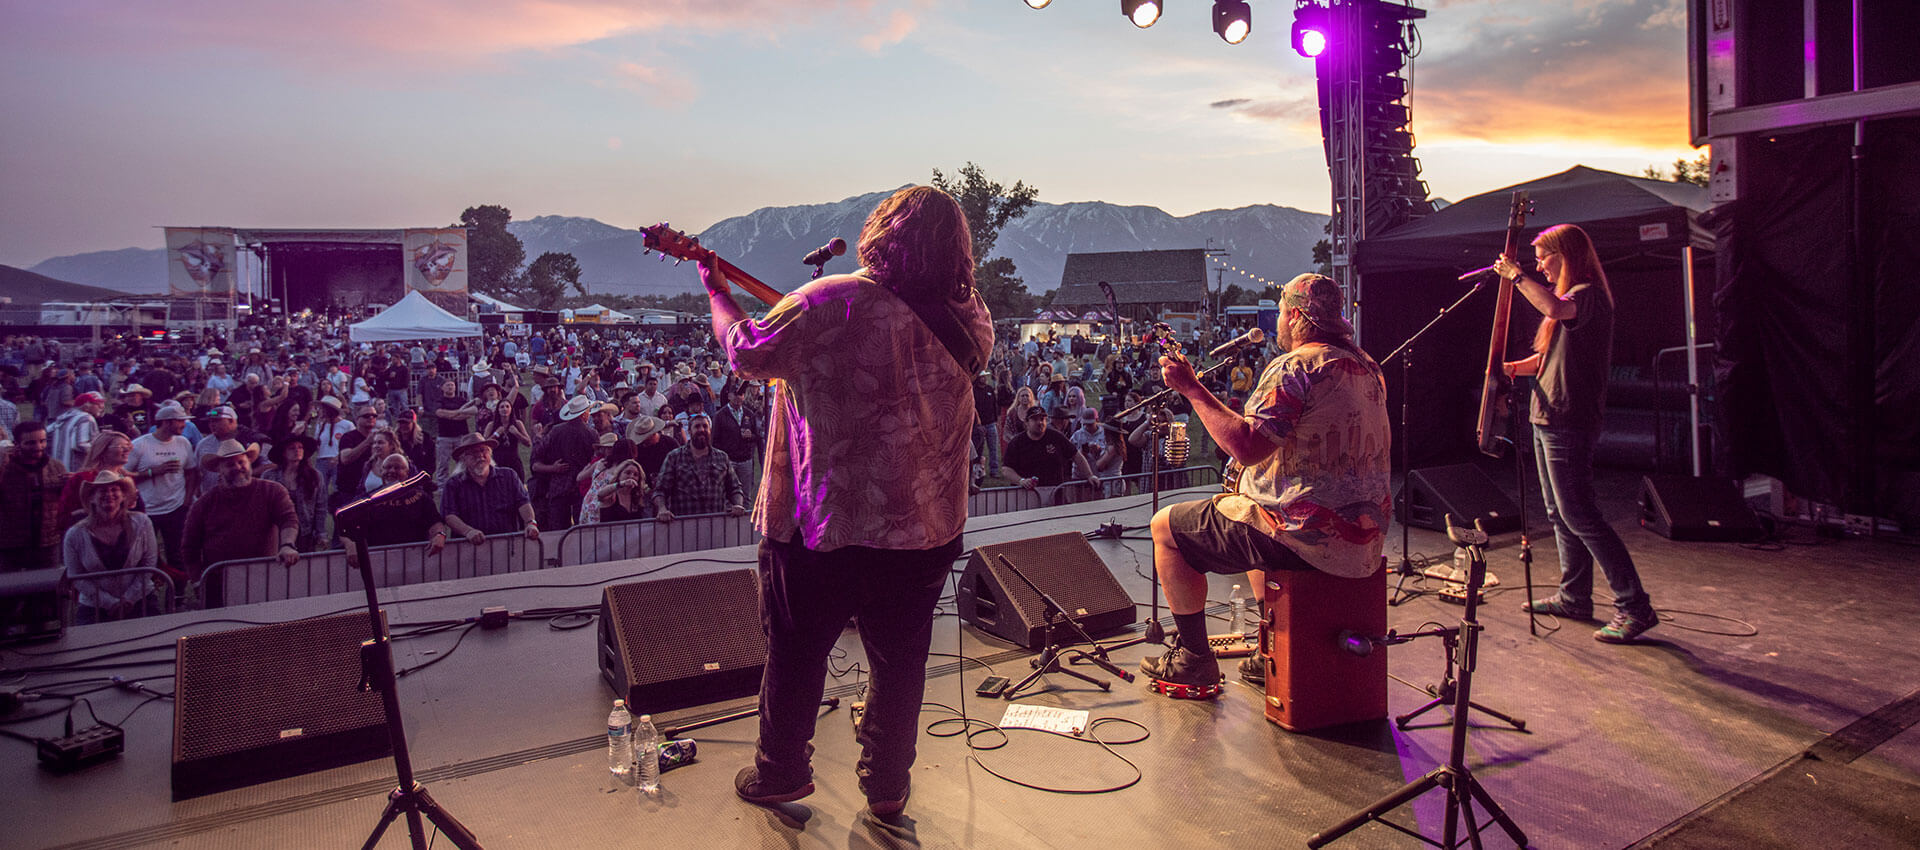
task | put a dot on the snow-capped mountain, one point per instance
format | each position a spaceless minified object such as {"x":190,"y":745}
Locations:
{"x":1268,"y":241}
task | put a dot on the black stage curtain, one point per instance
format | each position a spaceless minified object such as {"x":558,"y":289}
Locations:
{"x":1820,"y":370}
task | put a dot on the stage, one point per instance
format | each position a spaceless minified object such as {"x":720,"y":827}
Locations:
{"x":1696,"y":737}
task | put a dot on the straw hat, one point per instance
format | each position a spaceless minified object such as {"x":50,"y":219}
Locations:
{"x":227,"y":449}
{"x":109,"y":478}
{"x":646,"y":426}
{"x":135,"y":389}
{"x":576,"y":408}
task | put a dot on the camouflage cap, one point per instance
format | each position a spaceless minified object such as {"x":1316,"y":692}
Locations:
{"x":1319,"y":298}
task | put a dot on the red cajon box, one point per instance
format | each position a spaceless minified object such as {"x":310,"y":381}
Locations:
{"x":1311,"y":681}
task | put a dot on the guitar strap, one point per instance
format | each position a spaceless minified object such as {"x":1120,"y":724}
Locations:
{"x":938,"y":315}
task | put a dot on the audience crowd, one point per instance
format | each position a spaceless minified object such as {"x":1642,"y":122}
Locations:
{"x":132,"y":455}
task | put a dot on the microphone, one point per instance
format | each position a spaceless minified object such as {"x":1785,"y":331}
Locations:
{"x":1483,"y":271}
{"x":822,"y":254}
{"x":1177,"y":443}
{"x":1252,"y":337}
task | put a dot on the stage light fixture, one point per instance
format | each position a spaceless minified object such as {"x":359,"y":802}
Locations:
{"x":1141,"y":12}
{"x":1232,"y":20}
{"x":1038,"y":4}
{"x":1310,"y":30}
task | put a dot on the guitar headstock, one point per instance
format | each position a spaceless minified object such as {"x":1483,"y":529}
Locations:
{"x":671,"y":243}
{"x":1518,"y":212}
{"x":1162,"y":333}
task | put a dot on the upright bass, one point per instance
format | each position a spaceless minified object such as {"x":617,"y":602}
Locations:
{"x":1496,"y":387}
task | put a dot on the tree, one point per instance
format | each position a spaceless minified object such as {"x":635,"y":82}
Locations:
{"x":1696,"y":171}
{"x":548,"y":278}
{"x":494,"y":255}
{"x":1323,"y":257}
{"x":989,"y":206}
{"x":1234,"y":296}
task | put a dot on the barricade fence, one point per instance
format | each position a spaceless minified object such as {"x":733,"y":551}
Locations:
{"x":160,"y":599}
{"x":239,"y":582}
{"x":1006,"y":499}
{"x":642,"y":538}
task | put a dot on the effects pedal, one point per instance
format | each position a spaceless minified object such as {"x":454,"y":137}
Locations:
{"x":1233,"y":645}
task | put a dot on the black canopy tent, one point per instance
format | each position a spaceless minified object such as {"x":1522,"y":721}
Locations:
{"x":1642,"y":229}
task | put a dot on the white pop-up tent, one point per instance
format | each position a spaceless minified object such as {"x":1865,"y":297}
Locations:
{"x":413,"y":318}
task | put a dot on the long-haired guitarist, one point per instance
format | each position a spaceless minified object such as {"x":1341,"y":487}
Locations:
{"x":1313,"y":438}
{"x":1571,"y":354}
{"x":865,"y":492}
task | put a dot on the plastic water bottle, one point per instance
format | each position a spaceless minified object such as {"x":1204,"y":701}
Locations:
{"x":1238,"y":605}
{"x":646,"y":755}
{"x":620,"y":740}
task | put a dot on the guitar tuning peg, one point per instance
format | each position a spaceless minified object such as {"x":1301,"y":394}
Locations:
{"x":645,"y":251}
{"x":676,"y":261}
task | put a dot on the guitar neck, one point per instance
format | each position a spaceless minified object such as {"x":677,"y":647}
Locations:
{"x":767,"y":294}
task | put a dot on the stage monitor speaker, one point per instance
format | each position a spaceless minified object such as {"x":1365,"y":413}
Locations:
{"x":263,"y":703}
{"x":1462,"y":490}
{"x":997,"y":602}
{"x":1679,"y":507}
{"x":678,"y":642}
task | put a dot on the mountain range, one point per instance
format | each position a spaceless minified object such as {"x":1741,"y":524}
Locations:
{"x":1264,"y":240}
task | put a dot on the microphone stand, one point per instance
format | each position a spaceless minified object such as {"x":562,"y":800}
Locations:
{"x":1405,"y":567}
{"x":1156,"y":634}
{"x":1463,"y":790}
{"x":1049,"y":659}
{"x":409,"y":797}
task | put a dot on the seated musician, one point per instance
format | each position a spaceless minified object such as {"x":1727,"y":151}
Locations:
{"x":1314,"y":493}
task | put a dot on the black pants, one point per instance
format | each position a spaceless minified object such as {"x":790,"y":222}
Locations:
{"x":806,"y":598}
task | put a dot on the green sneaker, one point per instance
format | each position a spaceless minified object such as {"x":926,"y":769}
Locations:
{"x":1560,"y":608}
{"x":1624,"y":629}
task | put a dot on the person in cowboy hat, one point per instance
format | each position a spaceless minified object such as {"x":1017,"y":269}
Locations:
{"x":650,"y":438}
{"x":241,"y":517}
{"x":292,"y":460}
{"x":566,"y":449}
{"x":111,"y":536}
{"x":479,"y":498}
{"x":134,"y":414}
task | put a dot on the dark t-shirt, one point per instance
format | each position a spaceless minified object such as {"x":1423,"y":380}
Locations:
{"x":1049,"y":458}
{"x":651,"y":455}
{"x":405,"y":520}
{"x":452,"y":427}
{"x":1571,"y":389}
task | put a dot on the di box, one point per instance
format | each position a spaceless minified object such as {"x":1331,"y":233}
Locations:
{"x":1678,"y":507}
{"x":995,"y":600}
{"x":263,"y":703}
{"x":679,"y":642}
{"x":1461,"y":490}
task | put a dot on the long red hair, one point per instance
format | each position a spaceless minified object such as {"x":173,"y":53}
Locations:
{"x":1582,"y":266}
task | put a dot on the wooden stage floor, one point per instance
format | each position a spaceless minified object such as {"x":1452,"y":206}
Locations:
{"x":1763,"y":654}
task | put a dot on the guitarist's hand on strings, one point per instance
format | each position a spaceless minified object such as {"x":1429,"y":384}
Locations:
{"x":711,"y":276}
{"x":1178,"y":373}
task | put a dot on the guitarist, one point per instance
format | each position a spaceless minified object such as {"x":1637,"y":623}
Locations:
{"x":1571,"y":353}
{"x":864,"y":495}
{"x":1313,"y":496}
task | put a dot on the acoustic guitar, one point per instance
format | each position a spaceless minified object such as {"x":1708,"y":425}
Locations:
{"x":680,"y":246}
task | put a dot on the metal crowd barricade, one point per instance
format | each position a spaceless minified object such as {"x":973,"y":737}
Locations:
{"x":1076,"y":492}
{"x":1000,"y":500}
{"x":319,"y":573}
{"x":641,"y":538}
{"x":70,"y":584}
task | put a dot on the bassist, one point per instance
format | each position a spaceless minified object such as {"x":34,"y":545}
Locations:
{"x":1571,"y":353}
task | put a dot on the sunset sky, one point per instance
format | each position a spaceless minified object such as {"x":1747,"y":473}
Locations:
{"x":122,"y":116}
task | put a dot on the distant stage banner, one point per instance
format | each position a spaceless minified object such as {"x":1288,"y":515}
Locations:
{"x":200,"y":261}
{"x":437,"y":266}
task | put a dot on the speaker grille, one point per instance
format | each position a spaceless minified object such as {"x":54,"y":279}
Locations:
{"x":685,"y":641}
{"x":995,"y":600}
{"x":272,"y":701}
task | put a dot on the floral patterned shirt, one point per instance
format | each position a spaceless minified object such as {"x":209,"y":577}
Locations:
{"x":1324,"y":493}
{"x":868,"y":433}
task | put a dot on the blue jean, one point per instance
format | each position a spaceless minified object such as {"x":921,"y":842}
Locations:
{"x":987,"y":439}
{"x":806,"y":598}
{"x":1565,"y":458}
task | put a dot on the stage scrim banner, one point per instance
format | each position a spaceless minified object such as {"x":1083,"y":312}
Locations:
{"x":437,"y":266}
{"x":200,"y":261}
